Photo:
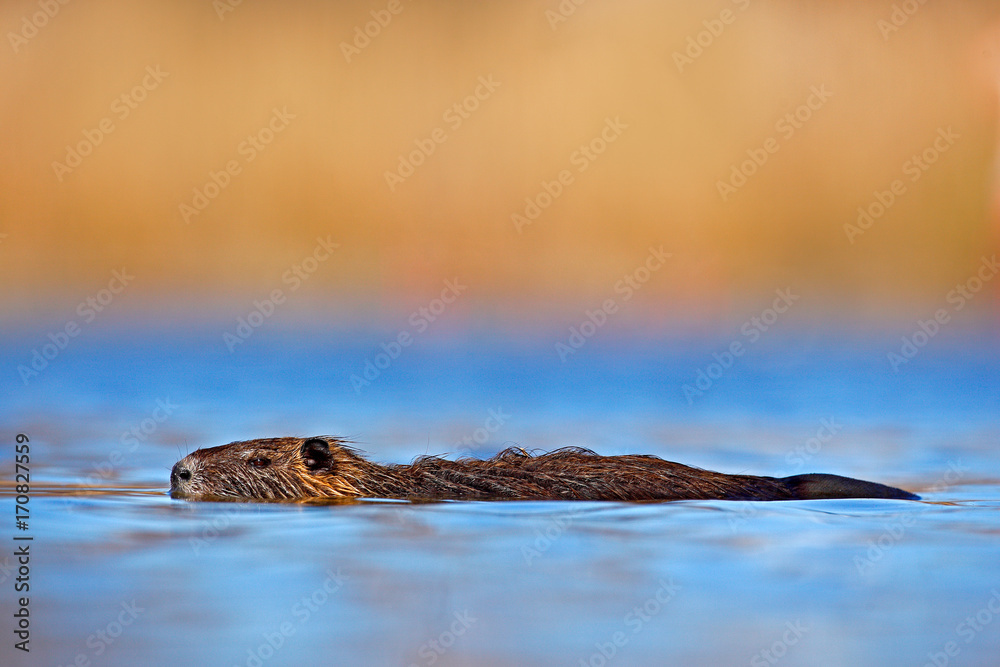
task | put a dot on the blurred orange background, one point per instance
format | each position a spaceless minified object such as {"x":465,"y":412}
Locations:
{"x":690,"y":88}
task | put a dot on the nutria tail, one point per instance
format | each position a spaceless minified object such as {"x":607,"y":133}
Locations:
{"x":815,"y":486}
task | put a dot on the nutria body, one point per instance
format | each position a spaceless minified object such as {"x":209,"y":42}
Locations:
{"x":289,"y":469}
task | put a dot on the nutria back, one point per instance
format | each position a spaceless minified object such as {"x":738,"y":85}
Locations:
{"x":290,"y":469}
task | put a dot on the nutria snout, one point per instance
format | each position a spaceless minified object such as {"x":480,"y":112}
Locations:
{"x":289,"y":469}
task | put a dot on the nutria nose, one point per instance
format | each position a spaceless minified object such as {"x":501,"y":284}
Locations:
{"x":179,"y":472}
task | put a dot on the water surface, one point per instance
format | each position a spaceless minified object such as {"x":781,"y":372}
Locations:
{"x":123,"y":575}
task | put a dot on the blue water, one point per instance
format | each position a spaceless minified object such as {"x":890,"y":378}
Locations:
{"x":123,"y":575}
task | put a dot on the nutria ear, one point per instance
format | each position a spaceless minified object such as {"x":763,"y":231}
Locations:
{"x":316,"y":454}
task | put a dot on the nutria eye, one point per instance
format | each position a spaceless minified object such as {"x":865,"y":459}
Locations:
{"x":259,"y":462}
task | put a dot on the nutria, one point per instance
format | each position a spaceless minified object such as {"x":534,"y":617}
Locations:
{"x":278,"y":469}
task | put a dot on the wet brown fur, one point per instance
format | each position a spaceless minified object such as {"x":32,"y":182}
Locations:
{"x":288,"y":469}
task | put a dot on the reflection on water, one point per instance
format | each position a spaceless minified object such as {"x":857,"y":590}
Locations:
{"x":123,"y":575}
{"x":515,"y":583}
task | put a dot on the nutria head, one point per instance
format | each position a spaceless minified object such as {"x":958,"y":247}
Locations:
{"x":268,"y":469}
